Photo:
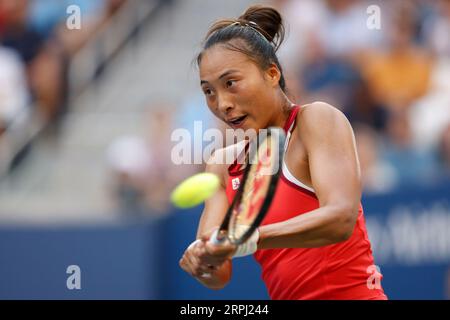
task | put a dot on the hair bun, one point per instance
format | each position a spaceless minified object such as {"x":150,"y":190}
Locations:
{"x":268,"y":21}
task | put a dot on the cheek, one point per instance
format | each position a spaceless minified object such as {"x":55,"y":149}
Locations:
{"x":249,"y":92}
{"x":212,"y":108}
{"x":253,"y":96}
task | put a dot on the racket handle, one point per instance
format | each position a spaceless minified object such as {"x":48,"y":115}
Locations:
{"x":215,"y":240}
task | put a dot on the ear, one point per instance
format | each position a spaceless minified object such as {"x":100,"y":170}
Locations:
{"x":273,"y":75}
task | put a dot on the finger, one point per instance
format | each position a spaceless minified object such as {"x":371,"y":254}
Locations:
{"x":212,"y":260}
{"x":184,"y":264}
{"x":193,"y":245}
{"x":224,"y":250}
{"x":197,"y":268}
{"x":190,"y":261}
{"x":195,"y":249}
{"x":198,"y":259}
{"x":215,"y":257}
{"x":205,"y":256}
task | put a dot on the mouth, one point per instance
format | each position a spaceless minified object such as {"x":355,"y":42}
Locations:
{"x":237,"y":122}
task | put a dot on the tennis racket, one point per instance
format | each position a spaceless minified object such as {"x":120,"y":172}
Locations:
{"x":250,"y":204}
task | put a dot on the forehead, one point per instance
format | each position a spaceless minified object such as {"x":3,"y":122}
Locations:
{"x":218,"y":59}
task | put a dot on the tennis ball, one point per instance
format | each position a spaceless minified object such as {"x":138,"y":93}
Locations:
{"x":194,"y":190}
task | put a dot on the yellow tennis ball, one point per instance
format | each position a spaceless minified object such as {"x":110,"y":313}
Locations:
{"x":194,"y":190}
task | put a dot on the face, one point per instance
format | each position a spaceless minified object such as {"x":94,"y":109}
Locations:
{"x":237,"y":91}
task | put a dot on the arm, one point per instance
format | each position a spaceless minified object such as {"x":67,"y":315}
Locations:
{"x":334,"y":168}
{"x":193,"y":260}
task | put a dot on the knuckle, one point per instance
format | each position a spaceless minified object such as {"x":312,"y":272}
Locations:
{"x":198,"y":272}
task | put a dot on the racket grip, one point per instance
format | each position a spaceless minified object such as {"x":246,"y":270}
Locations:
{"x":215,"y":240}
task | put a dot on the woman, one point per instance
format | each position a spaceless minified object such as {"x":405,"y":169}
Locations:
{"x":313,"y":242}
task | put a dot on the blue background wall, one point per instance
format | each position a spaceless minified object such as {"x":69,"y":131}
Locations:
{"x":140,"y":260}
{"x":410,"y":236}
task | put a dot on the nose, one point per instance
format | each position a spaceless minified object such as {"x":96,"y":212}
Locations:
{"x":224,"y":104}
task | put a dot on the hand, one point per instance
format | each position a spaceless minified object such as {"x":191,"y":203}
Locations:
{"x":216,"y":255}
{"x":202,"y":257}
{"x":191,"y":260}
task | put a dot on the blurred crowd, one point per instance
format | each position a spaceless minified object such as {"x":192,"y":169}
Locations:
{"x":390,"y":74}
{"x":35,"y":48}
{"x":386,"y":65}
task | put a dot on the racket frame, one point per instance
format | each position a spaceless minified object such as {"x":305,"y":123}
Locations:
{"x":222,"y":233}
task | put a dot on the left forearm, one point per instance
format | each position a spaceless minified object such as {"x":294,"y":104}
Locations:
{"x":320,"y":227}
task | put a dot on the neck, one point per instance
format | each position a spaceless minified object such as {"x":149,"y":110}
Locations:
{"x":280,"y":118}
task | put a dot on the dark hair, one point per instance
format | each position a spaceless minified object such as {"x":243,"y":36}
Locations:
{"x":261,"y":31}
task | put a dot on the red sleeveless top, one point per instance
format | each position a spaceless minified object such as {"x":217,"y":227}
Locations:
{"x":339,"y":271}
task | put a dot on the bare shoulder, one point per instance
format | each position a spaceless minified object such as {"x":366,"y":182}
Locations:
{"x":321,"y":117}
{"x":320,"y":113}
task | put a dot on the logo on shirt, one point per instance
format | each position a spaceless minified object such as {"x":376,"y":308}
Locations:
{"x":235,"y":183}
{"x":375,"y":276}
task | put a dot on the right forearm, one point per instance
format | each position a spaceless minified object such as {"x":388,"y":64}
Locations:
{"x":219,"y":277}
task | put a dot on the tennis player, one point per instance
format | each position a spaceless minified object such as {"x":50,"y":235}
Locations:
{"x":313,"y":242}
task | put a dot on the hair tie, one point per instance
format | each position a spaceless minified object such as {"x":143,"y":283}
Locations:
{"x":250,"y":24}
{"x":255,"y":26}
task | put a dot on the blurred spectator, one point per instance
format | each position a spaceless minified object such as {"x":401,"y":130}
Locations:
{"x":95,"y":16}
{"x":430,"y":114}
{"x":377,"y":175}
{"x":15,"y":32}
{"x":43,"y":59}
{"x":321,"y":76}
{"x":129,"y":161}
{"x":444,"y":151}
{"x":344,"y":30}
{"x":142,"y":169}
{"x":163,"y":175}
{"x":401,"y":74}
{"x":365,"y":109}
{"x":330,"y":79}
{"x":299,"y":28}
{"x":13,"y":99}
{"x":339,"y":27}
{"x":336,"y":81}
{"x":324,"y":37}
{"x":413,"y":166}
{"x":13,"y":87}
{"x":437,"y":29}
{"x":37,"y":31}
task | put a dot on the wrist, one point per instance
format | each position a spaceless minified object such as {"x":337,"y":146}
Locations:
{"x":249,"y":247}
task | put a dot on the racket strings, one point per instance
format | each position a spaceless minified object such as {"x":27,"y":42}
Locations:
{"x":255,"y":189}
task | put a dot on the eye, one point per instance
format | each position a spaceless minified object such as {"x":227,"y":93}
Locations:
{"x":207,"y":91}
{"x":229,"y":83}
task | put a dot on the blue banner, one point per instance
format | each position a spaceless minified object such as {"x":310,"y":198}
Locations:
{"x":409,"y":232}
